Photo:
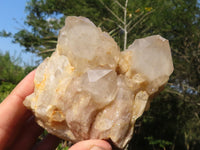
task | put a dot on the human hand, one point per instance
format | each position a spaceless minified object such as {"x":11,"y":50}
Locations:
{"x":18,"y":129}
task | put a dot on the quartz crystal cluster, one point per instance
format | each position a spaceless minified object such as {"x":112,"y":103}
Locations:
{"x":88,"y":89}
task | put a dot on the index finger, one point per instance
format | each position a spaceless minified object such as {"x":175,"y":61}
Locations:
{"x":12,"y":109}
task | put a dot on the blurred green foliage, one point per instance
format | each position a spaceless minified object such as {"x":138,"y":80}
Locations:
{"x":5,"y":89}
{"x":173,"y":120}
{"x":62,"y":147}
{"x":11,"y":73}
{"x":159,"y":143}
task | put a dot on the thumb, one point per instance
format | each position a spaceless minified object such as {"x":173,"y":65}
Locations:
{"x":91,"y":145}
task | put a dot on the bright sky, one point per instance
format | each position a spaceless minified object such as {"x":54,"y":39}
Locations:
{"x":12,"y":16}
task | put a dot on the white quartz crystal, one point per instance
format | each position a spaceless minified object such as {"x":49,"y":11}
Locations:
{"x":88,"y":89}
{"x":87,"y":46}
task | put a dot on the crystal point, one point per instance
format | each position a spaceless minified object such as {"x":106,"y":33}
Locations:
{"x":94,"y":75}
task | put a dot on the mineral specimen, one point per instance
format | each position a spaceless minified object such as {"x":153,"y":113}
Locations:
{"x":87,"y":89}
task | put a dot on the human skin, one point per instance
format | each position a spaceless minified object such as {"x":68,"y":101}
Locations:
{"x":18,"y":129}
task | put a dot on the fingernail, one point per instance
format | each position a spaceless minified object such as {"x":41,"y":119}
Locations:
{"x":97,"y":148}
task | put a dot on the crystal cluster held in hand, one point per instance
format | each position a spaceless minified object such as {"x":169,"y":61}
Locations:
{"x":88,"y":89}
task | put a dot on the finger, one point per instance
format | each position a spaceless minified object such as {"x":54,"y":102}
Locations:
{"x":91,"y":145}
{"x":18,"y":129}
{"x":49,"y":143}
{"x":27,"y":138}
{"x":12,"y":108}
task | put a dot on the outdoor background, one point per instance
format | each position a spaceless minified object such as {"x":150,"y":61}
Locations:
{"x":28,"y":34}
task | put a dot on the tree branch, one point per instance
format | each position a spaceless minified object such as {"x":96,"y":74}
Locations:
{"x":131,"y":28}
{"x":120,"y":5}
{"x":174,"y":92}
{"x":48,"y":50}
{"x":111,"y":11}
{"x":125,"y":25}
{"x":112,"y":31}
{"x":181,"y":55}
{"x":107,"y":19}
{"x":129,"y":23}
